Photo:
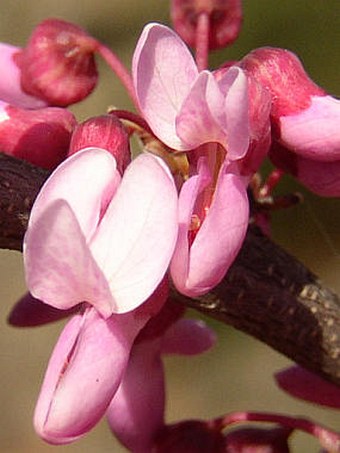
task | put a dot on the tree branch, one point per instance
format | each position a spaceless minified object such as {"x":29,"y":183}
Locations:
{"x":266,"y":293}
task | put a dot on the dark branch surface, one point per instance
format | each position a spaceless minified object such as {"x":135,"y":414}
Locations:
{"x":267,"y":293}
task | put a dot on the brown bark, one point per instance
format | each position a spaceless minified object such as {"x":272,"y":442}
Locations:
{"x":267,"y":293}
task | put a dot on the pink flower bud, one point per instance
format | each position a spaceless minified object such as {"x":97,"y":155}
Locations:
{"x":191,"y":436}
{"x":225,"y":19}
{"x":106,"y":132}
{"x":40,"y":136}
{"x":258,"y":440}
{"x":58,"y":64}
{"x":304,"y":118}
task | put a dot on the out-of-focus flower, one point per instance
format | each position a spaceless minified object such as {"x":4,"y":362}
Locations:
{"x":306,"y":385}
{"x":193,"y":111}
{"x":224,"y":18}
{"x":57,"y":65}
{"x":40,"y":136}
{"x":10,"y":85}
{"x":136,"y":413}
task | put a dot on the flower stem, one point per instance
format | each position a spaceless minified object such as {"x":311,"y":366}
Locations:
{"x":328,"y":439}
{"x":120,"y":70}
{"x":202,"y":40}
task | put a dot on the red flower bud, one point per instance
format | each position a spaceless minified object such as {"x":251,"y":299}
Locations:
{"x":58,"y":64}
{"x":105,"y":132}
{"x":225,"y":17}
{"x":282,"y":73}
{"x":40,"y":136}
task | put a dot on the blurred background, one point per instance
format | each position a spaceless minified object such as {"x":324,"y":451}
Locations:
{"x":236,"y":375}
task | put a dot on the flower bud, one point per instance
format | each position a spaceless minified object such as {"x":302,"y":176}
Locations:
{"x":107,"y":132}
{"x":191,"y":436}
{"x":304,"y":118}
{"x":225,"y":17}
{"x":57,"y":65}
{"x":40,"y":136}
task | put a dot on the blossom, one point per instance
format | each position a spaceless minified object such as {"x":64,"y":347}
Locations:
{"x":97,"y":238}
{"x":193,"y":111}
{"x":136,"y":413}
{"x":94,"y":237}
{"x":186,"y":108}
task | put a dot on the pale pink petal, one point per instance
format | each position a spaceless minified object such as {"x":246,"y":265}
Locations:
{"x":236,"y":110}
{"x":314,"y":132}
{"x":196,"y":123}
{"x":322,"y":178}
{"x":86,"y":181}
{"x":198,"y":269}
{"x":10,"y":86}
{"x":188,"y":337}
{"x":135,"y":240}
{"x":136,"y":412}
{"x":60,"y":269}
{"x":83,"y":374}
{"x":31,"y":312}
{"x":163,"y":71}
{"x":306,"y":385}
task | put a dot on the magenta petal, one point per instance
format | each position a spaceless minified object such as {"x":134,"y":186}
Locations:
{"x":197,"y":269}
{"x":314,"y":132}
{"x":306,"y":385}
{"x":31,"y":312}
{"x":83,"y":374}
{"x":60,"y":269}
{"x":163,"y":71}
{"x":10,"y":85}
{"x":85,"y":181}
{"x":188,"y":337}
{"x":136,"y":237}
{"x":136,"y":412}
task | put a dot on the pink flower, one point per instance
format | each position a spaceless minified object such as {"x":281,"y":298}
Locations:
{"x":136,"y":413}
{"x":186,"y":108}
{"x":97,"y":238}
{"x":94,"y":237}
{"x":193,"y":111}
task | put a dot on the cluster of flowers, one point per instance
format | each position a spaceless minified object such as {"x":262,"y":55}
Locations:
{"x":107,"y":231}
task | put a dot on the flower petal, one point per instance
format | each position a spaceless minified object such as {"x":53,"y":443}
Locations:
{"x":188,"y":337}
{"x":197,"y":269}
{"x":60,"y":269}
{"x":303,"y":384}
{"x":86,"y":181}
{"x":314,"y":132}
{"x":163,"y":71}
{"x":135,"y":239}
{"x":10,"y":85}
{"x":196,"y":123}
{"x":136,"y":412}
{"x":31,"y":312}
{"x":83,"y":374}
